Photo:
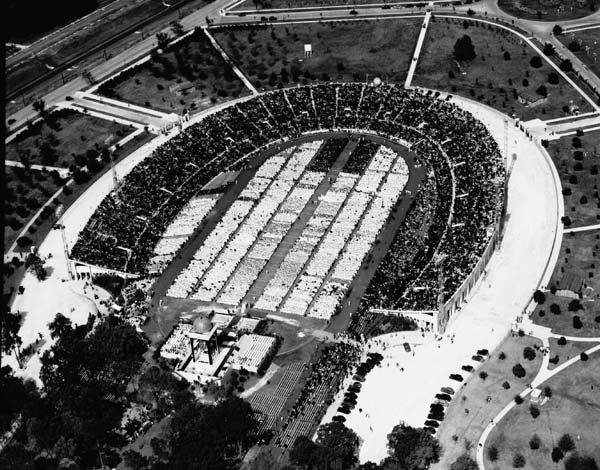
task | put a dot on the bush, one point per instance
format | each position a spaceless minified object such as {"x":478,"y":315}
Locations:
{"x":566,"y":443}
{"x":548,"y":391}
{"x":518,"y":461}
{"x":562,"y":341}
{"x":583,"y":356}
{"x":518,"y":399}
{"x":519,"y":371}
{"x":577,"y":322}
{"x":535,"y":442}
{"x":557,"y":454}
{"x":535,"y":62}
{"x":553,"y":78}
{"x":483,"y":375}
{"x":542,"y":91}
{"x":502,"y":356}
{"x":529,"y":353}
{"x":575,"y":305}
{"x":505,"y":385}
{"x":539,"y":297}
{"x":580,"y":462}
{"x":534,"y":411}
{"x":493,"y":453}
{"x":555,"y":309}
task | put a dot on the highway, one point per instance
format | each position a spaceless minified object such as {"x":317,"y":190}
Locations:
{"x":486,"y":9}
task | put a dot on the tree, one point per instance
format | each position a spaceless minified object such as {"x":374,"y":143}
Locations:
{"x":577,"y":324}
{"x":583,"y":356}
{"x":493,"y":453}
{"x":566,"y":443}
{"x":534,"y":410}
{"x":562,"y":341}
{"x":539,"y":297}
{"x":557,"y":30}
{"x":60,"y":326}
{"x":483,"y":375}
{"x":536,"y":62}
{"x":162,"y":40}
{"x":547,"y":392}
{"x":542,"y":91}
{"x":548,"y":49}
{"x":22,"y":242}
{"x":566,"y":66}
{"x":518,"y":399}
{"x":412,"y":448}
{"x":529,"y":353}
{"x":464,"y":462}
{"x":535,"y":442}
{"x":135,"y":461}
{"x":11,"y":341}
{"x":553,"y":78}
{"x":557,"y":454}
{"x":341,"y":441}
{"x":518,"y":371}
{"x":518,"y":461}
{"x":177,"y":29}
{"x":39,"y":106}
{"x":555,"y":309}
{"x":506,"y":55}
{"x":464,"y":50}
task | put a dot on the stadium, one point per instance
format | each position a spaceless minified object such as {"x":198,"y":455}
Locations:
{"x":325,"y":168}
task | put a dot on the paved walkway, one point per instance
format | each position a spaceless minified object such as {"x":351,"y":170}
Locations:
{"x":544,"y":374}
{"x":420,"y":41}
{"x":61,"y":171}
{"x":582,"y":229}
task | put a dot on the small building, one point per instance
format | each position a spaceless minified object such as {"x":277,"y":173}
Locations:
{"x":527,"y":99}
{"x":538,"y":397}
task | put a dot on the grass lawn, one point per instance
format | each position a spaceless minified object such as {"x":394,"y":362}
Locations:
{"x":577,"y":160}
{"x":573,"y":409}
{"x":567,"y":351}
{"x":460,"y":430}
{"x":563,"y":323}
{"x":489,"y":77}
{"x":384,"y":49}
{"x":70,"y":133}
{"x":189,"y":75}
{"x":583,"y":39}
{"x":540,"y":10}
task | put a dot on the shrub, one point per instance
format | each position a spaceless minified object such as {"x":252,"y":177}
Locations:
{"x":529,"y":353}
{"x":535,"y":62}
{"x":518,"y":371}
{"x":518,"y":399}
{"x":505,"y":385}
{"x":502,"y":356}
{"x":566,"y":443}
{"x":534,"y":411}
{"x":542,"y":91}
{"x":575,"y":305}
{"x":535,"y":442}
{"x":518,"y":461}
{"x":562,"y":341}
{"x":539,"y":297}
{"x":580,"y":462}
{"x":555,"y":309}
{"x":483,"y":375}
{"x":577,"y":322}
{"x":553,"y":78}
{"x":557,"y":454}
{"x":493,"y":453}
{"x":583,"y":356}
{"x":548,"y":391}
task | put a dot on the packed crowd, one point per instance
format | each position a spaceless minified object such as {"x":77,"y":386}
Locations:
{"x":459,"y":153}
{"x":323,"y":383}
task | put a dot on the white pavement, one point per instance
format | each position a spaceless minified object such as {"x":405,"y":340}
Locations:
{"x":582,"y":229}
{"x":524,"y":261}
{"x":61,"y":171}
{"x":415,"y":59}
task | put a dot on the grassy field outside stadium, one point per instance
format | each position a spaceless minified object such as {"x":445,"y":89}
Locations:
{"x":73,"y":133}
{"x":577,"y":160}
{"x":574,"y":409}
{"x":579,"y":41}
{"x":470,"y":411}
{"x":268,"y":4}
{"x":274,"y":56}
{"x":188,"y":75}
{"x":501,"y":73}
{"x":540,"y":10}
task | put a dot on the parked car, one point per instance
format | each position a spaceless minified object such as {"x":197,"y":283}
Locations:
{"x":483,"y":352}
{"x":468,"y":368}
{"x":339,"y":419}
{"x":443,"y":396}
{"x":358,"y":377}
{"x":457,"y":377}
{"x":448,"y":390}
{"x":344,"y":409}
{"x":478,"y":358}
{"x":432,"y":423}
{"x":407,"y":347}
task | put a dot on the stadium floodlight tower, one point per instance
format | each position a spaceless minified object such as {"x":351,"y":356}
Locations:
{"x":440,"y":320}
{"x":59,"y":225}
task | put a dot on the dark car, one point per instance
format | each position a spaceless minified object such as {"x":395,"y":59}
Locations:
{"x":443,"y":396}
{"x":478,"y":358}
{"x":448,"y":390}
{"x":429,"y":429}
{"x":457,"y":377}
{"x":357,"y":384}
{"x":483,"y":352}
{"x":339,"y":419}
{"x":344,"y":409}
{"x":432,"y":423}
{"x":468,"y":368}
{"x":406,"y":347}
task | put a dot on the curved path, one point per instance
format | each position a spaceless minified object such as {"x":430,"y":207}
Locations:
{"x":544,"y":374}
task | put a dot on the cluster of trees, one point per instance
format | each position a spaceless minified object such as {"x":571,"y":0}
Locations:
{"x":85,"y":376}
